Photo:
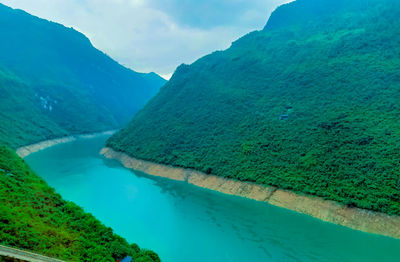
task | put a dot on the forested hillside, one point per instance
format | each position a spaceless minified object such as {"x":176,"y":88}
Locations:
{"x":53,"y":82}
{"x":34,"y":217}
{"x":309,"y":104}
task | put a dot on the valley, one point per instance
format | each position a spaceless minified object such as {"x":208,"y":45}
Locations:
{"x":282,"y":146}
{"x":176,"y":219}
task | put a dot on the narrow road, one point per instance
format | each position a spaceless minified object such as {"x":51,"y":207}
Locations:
{"x":24,"y":255}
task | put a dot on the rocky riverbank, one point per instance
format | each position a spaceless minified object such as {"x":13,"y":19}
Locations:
{"x":329,"y":211}
{"x":29,"y":149}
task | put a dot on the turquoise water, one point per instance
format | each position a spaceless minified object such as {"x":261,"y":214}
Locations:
{"x":184,"y":223}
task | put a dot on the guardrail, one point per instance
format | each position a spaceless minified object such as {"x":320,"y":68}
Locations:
{"x":25,"y":255}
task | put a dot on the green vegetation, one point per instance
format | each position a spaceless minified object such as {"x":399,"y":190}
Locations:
{"x":332,"y":66}
{"x":53,"y":82}
{"x":34,"y":217}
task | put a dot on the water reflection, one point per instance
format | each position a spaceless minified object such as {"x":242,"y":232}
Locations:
{"x":185,"y":223}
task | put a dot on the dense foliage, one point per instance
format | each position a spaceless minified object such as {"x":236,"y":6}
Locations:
{"x":34,"y":217}
{"x":308,"y":104}
{"x":54,"y":82}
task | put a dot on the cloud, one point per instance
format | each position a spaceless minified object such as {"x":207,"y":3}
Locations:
{"x":155,"y":35}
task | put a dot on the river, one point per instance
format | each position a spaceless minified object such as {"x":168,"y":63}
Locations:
{"x":184,"y":223}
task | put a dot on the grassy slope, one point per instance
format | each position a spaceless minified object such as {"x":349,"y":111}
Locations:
{"x":332,"y":66}
{"x":34,"y":217}
{"x":54,"y":82}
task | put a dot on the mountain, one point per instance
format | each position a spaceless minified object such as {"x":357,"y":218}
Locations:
{"x":53,"y":82}
{"x":308,"y":104}
{"x":34,"y":217}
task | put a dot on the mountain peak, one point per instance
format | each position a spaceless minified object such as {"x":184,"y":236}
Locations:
{"x":303,"y":11}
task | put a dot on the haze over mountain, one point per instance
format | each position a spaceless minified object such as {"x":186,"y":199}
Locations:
{"x":53,"y":82}
{"x":307,"y":107}
{"x":308,"y":104}
{"x":155,"y":35}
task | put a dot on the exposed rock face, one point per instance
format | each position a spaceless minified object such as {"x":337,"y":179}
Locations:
{"x":30,"y":149}
{"x":329,"y":211}
{"x":27,"y":150}
{"x":230,"y":187}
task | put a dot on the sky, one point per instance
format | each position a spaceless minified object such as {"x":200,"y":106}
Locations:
{"x":155,"y":35}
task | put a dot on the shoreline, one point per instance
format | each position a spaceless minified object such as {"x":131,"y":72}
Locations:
{"x":325,"y":210}
{"x":25,"y":151}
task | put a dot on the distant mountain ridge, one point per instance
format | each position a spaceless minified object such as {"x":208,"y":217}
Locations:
{"x":54,"y":82}
{"x":307,"y":104}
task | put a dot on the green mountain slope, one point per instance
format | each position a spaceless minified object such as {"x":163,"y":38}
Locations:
{"x":54,"y":82}
{"x":34,"y":217}
{"x":308,"y":104}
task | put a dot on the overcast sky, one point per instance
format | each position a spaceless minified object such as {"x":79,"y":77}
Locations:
{"x":155,"y":35}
